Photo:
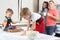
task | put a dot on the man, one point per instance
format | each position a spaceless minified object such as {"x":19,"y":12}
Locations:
{"x":52,"y":17}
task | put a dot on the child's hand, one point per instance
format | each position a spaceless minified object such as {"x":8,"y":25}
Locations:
{"x":15,"y":22}
{"x":4,"y":23}
{"x":3,"y":28}
{"x":31,"y":29}
{"x":24,"y":33}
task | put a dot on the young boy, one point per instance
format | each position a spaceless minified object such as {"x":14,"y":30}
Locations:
{"x":30,"y":17}
{"x":7,"y":22}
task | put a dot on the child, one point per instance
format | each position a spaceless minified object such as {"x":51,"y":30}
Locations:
{"x":31,"y":17}
{"x":7,"y":22}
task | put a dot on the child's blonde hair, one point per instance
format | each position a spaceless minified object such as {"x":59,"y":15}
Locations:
{"x":10,"y":10}
{"x":25,"y":12}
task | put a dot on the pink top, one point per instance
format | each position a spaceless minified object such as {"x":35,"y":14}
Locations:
{"x":50,"y":21}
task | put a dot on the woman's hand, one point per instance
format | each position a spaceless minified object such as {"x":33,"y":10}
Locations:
{"x":49,"y":14}
{"x":55,"y":17}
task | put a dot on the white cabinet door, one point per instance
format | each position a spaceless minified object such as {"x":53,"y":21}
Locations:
{"x":4,"y":4}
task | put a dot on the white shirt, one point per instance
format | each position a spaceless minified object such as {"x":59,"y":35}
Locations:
{"x":35,"y":16}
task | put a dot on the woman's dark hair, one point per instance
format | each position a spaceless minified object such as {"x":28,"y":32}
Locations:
{"x":46,"y":5}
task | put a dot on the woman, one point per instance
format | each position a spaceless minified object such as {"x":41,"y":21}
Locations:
{"x":44,"y":10}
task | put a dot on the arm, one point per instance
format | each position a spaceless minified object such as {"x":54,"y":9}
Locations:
{"x":28,"y":24}
{"x":15,"y":22}
{"x":33,"y":25}
{"x":4,"y":24}
{"x":55,"y":17}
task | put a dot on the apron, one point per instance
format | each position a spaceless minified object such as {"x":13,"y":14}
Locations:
{"x":8,"y":25}
{"x":41,"y":26}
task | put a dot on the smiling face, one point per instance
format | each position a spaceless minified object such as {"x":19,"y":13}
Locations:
{"x":51,"y":5}
{"x":44,"y":5}
{"x":8,"y":14}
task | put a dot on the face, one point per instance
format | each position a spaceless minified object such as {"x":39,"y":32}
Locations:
{"x":44,"y":5}
{"x":51,"y":5}
{"x":8,"y":14}
{"x":26,"y":17}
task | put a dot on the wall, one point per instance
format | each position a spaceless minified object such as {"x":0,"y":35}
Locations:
{"x":56,"y":1}
{"x":27,"y":3}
